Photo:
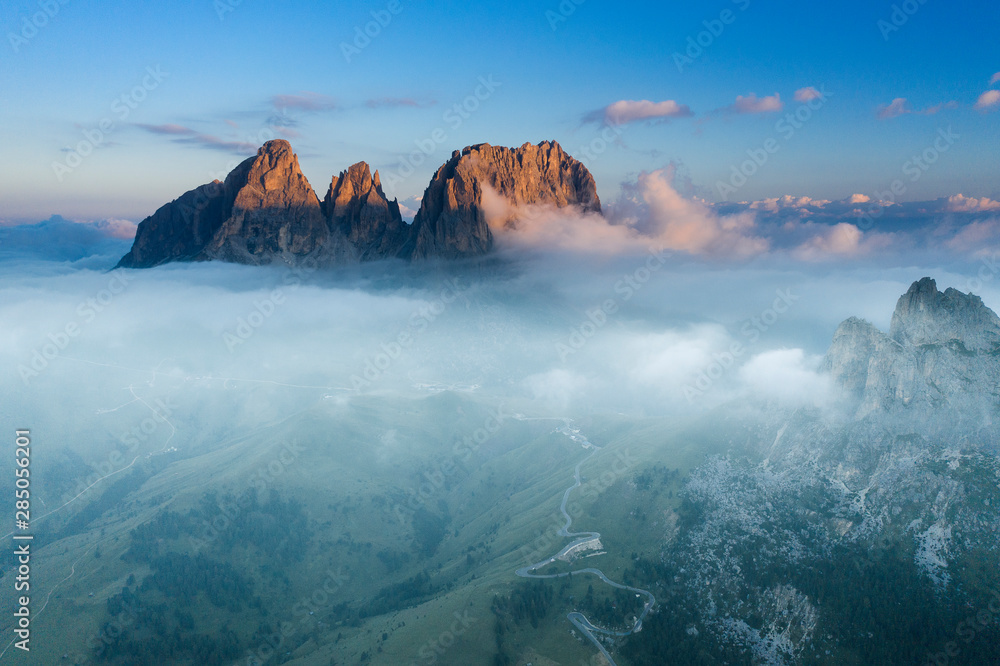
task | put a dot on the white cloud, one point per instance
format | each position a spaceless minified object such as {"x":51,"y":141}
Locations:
{"x":901,"y":107}
{"x":656,"y":216}
{"x":988,"y":101}
{"x":837,"y":241}
{"x":556,"y":388}
{"x":898,"y":107}
{"x":691,"y":226}
{"x":931,"y":110}
{"x":788,"y":201}
{"x":752,"y":104}
{"x":807,"y":94}
{"x":627,"y":111}
{"x":979,"y":238}
{"x":995,"y":79}
{"x":963,"y":204}
{"x":788,"y":376}
{"x":123,"y":229}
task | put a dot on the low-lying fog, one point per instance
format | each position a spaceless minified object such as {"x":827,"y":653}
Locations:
{"x":187,"y":353}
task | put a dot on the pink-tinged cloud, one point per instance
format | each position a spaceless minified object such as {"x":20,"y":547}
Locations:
{"x":628,"y":111}
{"x":807,"y":94}
{"x":839,"y":241}
{"x":305,"y":101}
{"x":169,"y":128}
{"x":898,"y":107}
{"x":931,"y":110}
{"x":656,"y":215}
{"x":980,"y":238}
{"x":855,"y":199}
{"x":988,"y":101}
{"x":189,"y":136}
{"x":901,"y":107}
{"x":963,"y":204}
{"x":691,"y":226}
{"x":804,"y":204}
{"x":753,"y":104}
{"x":123,"y":229}
{"x":995,"y":79}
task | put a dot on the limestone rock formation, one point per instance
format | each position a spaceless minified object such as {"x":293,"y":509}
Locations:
{"x":452,"y":220}
{"x":266,"y":211}
{"x":356,"y":207}
{"x":943,"y":350}
{"x":275,"y":216}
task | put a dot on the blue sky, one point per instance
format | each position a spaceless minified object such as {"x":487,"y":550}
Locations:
{"x":230,"y":75}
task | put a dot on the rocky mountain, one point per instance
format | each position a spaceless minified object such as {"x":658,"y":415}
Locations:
{"x":942,"y":349}
{"x":827,"y":534}
{"x":266,"y":211}
{"x":356,"y":207}
{"x":452,"y":221}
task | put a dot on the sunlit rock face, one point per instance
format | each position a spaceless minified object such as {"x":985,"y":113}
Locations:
{"x":942,"y":351}
{"x":276,"y":216}
{"x":267,"y":212}
{"x":452,"y":220}
{"x":264,"y":211}
{"x":357,"y":208}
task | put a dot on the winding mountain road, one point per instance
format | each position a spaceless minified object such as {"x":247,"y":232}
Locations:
{"x":578,"y":619}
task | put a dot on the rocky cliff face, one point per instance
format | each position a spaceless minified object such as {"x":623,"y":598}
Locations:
{"x":275,"y":216}
{"x":942,"y":350}
{"x":452,"y":221}
{"x":357,"y":208}
{"x":267,"y":212}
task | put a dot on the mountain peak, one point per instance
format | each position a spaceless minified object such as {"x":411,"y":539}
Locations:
{"x":275,"y":147}
{"x":926,"y":316}
{"x":266,"y":210}
{"x":452,"y":221}
{"x":357,"y":207}
{"x":941,"y":352}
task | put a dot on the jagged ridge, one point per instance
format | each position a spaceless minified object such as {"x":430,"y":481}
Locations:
{"x":266,"y":211}
{"x":942,"y":350}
